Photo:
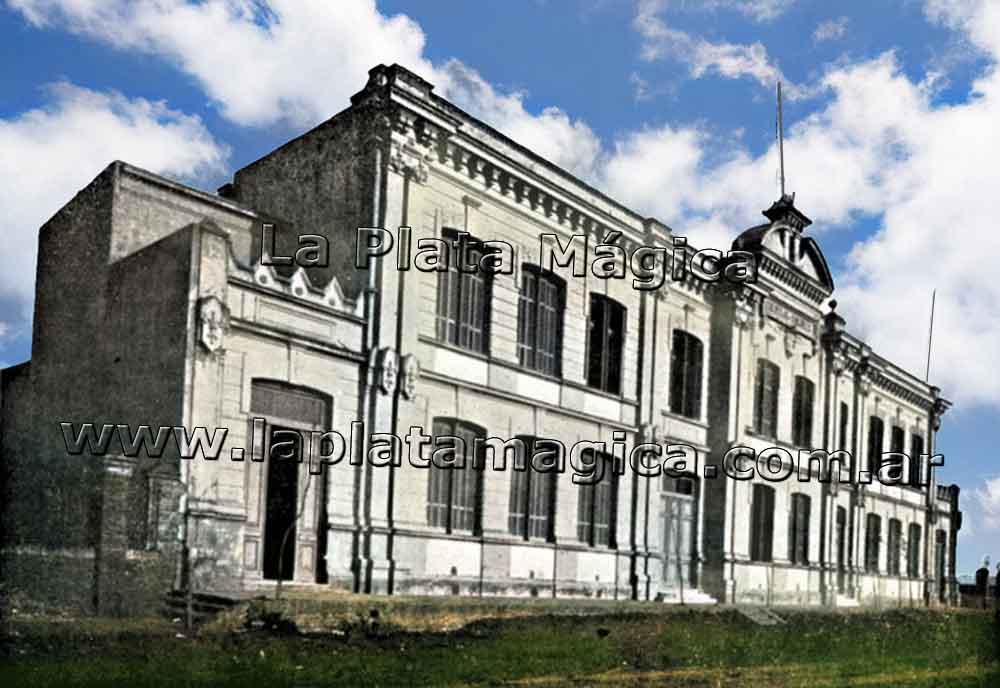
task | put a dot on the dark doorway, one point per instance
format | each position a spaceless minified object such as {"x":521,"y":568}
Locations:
{"x":283,"y":458}
{"x":841,"y":549}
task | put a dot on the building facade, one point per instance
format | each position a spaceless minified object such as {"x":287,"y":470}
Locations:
{"x":159,"y":305}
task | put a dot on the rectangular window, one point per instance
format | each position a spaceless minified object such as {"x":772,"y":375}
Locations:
{"x":873,"y":540}
{"x":463,"y":297}
{"x":876,"y":430}
{"x":540,"y":320}
{"x":913,"y":552}
{"x":844,"y":418}
{"x":686,"y":361}
{"x":897,"y":440}
{"x":766,"y":398}
{"x":454,"y":490}
{"x":605,"y":344}
{"x":798,"y":530}
{"x":532,"y":504}
{"x":916,"y":450}
{"x":895,"y":540}
{"x":597,"y":503}
{"x":802,"y":412}
{"x":762,"y":523}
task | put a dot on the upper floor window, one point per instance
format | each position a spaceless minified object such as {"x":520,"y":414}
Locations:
{"x":686,"y":361}
{"x":798,"y":530}
{"x":765,"y":413}
{"x":844,"y":418}
{"x":605,"y":344}
{"x":463,"y":297}
{"x":762,"y":523}
{"x":897,"y":440}
{"x":895,"y":539}
{"x":597,"y":502}
{"x":876,"y":431}
{"x":913,"y":551}
{"x":540,"y":320}
{"x":916,"y":450}
{"x":802,"y":412}
{"x":532,"y":507}
{"x":454,"y":490}
{"x":873,"y":541}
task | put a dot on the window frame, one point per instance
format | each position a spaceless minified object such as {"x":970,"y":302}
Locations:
{"x":454,"y":316}
{"x":530,"y":310}
{"x":766,"y":396}
{"x":873,"y":542}
{"x":687,"y":369}
{"x":522,"y":486}
{"x":798,"y":529}
{"x":587,"y":530}
{"x":762,"y":523}
{"x":803,"y":411}
{"x":474,"y":462}
{"x":913,"y":533}
{"x":610,"y":372}
{"x":894,"y":546}
{"x":874,"y":457}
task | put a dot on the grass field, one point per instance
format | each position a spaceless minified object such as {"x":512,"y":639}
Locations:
{"x":638,"y":647}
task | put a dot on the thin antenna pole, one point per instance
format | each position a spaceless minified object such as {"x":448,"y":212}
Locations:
{"x":930,"y":337}
{"x":781,"y":144}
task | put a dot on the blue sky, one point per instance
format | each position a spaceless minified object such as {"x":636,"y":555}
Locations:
{"x":666,"y":104}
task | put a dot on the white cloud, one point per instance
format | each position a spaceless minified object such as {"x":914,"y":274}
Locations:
{"x":830,"y":30}
{"x":729,"y":60}
{"x":987,"y":500}
{"x":52,"y":152}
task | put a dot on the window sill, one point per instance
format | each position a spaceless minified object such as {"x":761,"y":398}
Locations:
{"x":684,"y":419}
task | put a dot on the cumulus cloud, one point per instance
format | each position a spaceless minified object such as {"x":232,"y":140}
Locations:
{"x":830,"y":30}
{"x":53,"y":151}
{"x":986,"y":500}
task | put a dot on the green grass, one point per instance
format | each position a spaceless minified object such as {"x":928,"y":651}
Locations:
{"x":675,"y":647}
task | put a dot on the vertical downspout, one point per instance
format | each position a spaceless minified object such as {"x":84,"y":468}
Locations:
{"x":735,"y":433}
{"x":824,"y":572}
{"x":634,"y":502}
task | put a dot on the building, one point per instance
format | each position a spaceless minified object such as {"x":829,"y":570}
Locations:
{"x":154,"y":308}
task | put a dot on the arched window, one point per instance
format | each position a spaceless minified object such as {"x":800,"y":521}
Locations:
{"x":766,"y":398}
{"x":605,"y":344}
{"x":597,"y":503}
{"x":464,"y":296}
{"x":454,"y":485}
{"x":802,"y":412}
{"x":532,"y":505}
{"x":686,"y":363}
{"x":540,"y":320}
{"x":876,"y":435}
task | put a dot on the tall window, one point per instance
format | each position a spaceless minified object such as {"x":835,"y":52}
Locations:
{"x":895,"y":540}
{"x":540,"y":320}
{"x":532,"y":507}
{"x":463,"y":298}
{"x":686,"y":359}
{"x":876,"y":430}
{"x":913,"y":551}
{"x":605,"y":344}
{"x":844,"y":418}
{"x":765,"y":411}
{"x":916,"y":449}
{"x":802,"y":412}
{"x":762,"y":523}
{"x":454,"y":489}
{"x":873,"y":539}
{"x":597,"y":504}
{"x":897,"y":440}
{"x":798,"y":530}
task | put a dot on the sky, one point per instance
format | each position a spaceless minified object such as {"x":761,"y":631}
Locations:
{"x":891,"y":136}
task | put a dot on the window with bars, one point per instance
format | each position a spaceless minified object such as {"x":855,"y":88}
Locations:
{"x":873,"y":541}
{"x":894,"y":545}
{"x":765,"y":414}
{"x":916,"y":449}
{"x":762,"y":523}
{"x":605,"y":344}
{"x":463,"y":297}
{"x":798,"y":529}
{"x":540,"y":320}
{"x":876,"y":432}
{"x":532,"y":506}
{"x":686,"y":362}
{"x":913,"y":551}
{"x":844,"y":418}
{"x":454,"y":492}
{"x":802,"y":412}
{"x":597,"y":503}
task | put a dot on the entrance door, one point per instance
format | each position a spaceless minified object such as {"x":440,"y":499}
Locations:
{"x":281,"y":504}
{"x":841,"y":550}
{"x":678,"y":532}
{"x":939,"y":572}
